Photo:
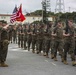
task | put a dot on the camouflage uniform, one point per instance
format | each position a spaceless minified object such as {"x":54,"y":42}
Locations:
{"x":22,"y":37}
{"x":10,"y":33}
{"x":34,"y":37}
{"x":50,"y":41}
{"x":75,"y":42}
{"x":75,"y":47}
{"x":37,"y":34}
{"x":58,"y":42}
{"x":25,"y":37}
{"x":69,"y":44}
{"x":19,"y":36}
{"x":14,"y":35}
{"x":40,"y":39}
{"x":29,"y":37}
{"x":46,"y":41}
{"x":3,"y":45}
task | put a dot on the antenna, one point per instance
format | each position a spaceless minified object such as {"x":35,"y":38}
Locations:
{"x":45,"y":9}
{"x":60,"y":6}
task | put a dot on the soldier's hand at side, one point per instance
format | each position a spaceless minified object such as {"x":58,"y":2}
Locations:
{"x":66,"y":35}
{"x":53,"y":34}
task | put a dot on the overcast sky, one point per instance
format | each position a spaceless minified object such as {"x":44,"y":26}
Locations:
{"x":7,"y":6}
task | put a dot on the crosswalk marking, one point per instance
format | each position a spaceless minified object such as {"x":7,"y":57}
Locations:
{"x":54,"y":64}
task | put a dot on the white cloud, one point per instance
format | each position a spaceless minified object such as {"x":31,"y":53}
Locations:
{"x":7,"y":6}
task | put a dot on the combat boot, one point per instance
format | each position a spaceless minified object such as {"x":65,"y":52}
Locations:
{"x":73,"y":63}
{"x":47,"y":56}
{"x":19,"y":46}
{"x":37,"y":52}
{"x":55,"y":59}
{"x":28,"y":49}
{"x":25,"y":48}
{"x":65,"y":62}
{"x":44,"y":54}
{"x":33,"y":51}
{"x":62,"y":59}
{"x":4,"y":65}
{"x":52,"y":56}
{"x":0,"y":64}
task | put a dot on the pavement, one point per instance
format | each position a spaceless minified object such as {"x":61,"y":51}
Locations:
{"x":24,"y":62}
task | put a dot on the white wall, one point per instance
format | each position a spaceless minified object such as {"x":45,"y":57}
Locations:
{"x":29,"y":19}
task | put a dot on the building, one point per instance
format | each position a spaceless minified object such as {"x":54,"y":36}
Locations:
{"x":29,"y":19}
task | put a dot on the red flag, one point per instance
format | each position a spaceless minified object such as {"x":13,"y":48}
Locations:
{"x":20,"y":16}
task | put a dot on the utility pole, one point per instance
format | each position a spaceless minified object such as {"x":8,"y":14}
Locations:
{"x":45,"y":8}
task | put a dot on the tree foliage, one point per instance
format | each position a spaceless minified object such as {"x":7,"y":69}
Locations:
{"x":62,"y":16}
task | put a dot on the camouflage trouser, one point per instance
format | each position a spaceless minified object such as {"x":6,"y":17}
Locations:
{"x":69,"y":46}
{"x":75,"y":48}
{"x":19,"y":39}
{"x":15,"y":38}
{"x":37,"y":45}
{"x":29,"y":40}
{"x":58,"y":46}
{"x":52,"y":42}
{"x":33,"y":43}
{"x":46,"y":46}
{"x":3,"y":51}
{"x":25,"y":40}
{"x":10,"y":38}
{"x":40,"y":43}
{"x":43,"y":46}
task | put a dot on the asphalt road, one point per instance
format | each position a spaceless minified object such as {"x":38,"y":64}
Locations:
{"x":22,"y":62}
